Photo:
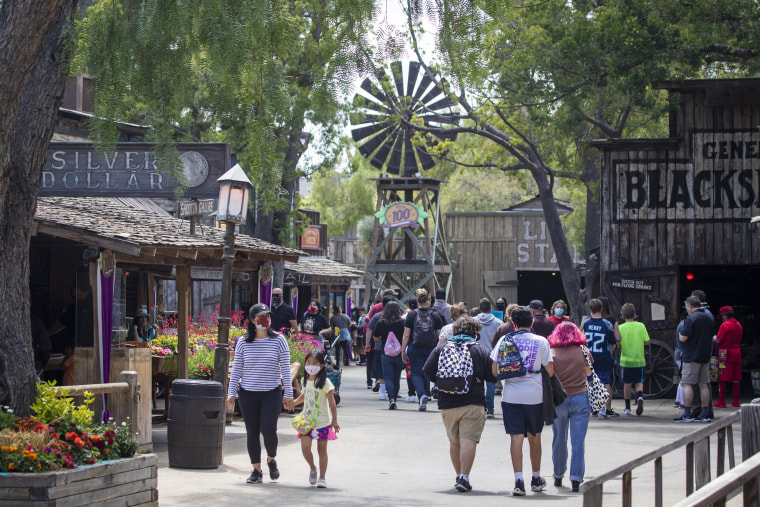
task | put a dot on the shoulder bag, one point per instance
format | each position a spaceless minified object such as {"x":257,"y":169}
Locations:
{"x":597,"y":393}
{"x":304,"y":423}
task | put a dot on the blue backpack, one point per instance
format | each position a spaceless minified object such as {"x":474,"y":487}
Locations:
{"x":508,"y":359}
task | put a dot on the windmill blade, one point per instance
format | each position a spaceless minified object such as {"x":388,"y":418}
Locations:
{"x":434,"y":119}
{"x":361,"y":102}
{"x":369,"y":147}
{"x":410,"y":161}
{"x":444,"y":103}
{"x":426,"y":161}
{"x":424,"y":84}
{"x":363,"y":132}
{"x":411,"y":80}
{"x":394,"y":164}
{"x":382,"y":154}
{"x":434,"y":93}
{"x":398,"y":77}
{"x":370,"y":87}
{"x":362,"y":118}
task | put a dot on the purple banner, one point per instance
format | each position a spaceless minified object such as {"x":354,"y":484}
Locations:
{"x":106,"y":275}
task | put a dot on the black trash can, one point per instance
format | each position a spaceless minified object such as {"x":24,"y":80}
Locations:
{"x":195,"y":426}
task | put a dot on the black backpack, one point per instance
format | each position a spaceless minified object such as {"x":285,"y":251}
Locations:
{"x":423,"y":333}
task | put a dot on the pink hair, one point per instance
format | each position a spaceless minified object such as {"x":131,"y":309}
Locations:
{"x":565,"y":335}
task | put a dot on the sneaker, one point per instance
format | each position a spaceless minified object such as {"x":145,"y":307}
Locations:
{"x":274,"y":472}
{"x":676,"y":404}
{"x":376,"y":387}
{"x":312,"y":476}
{"x":683,"y":419}
{"x":369,"y":384}
{"x":255,"y":478}
{"x":411,"y":399}
{"x":558,"y":482}
{"x":639,"y":406}
{"x":392,"y":405}
{"x":423,"y":403}
{"x":490,"y":414}
{"x":627,"y":411}
{"x":321,"y":483}
{"x":435,"y":393}
{"x":576,"y":486}
{"x":537,"y":484}
{"x":602,"y":414}
{"x":703,"y":418}
{"x":612,"y":413}
{"x":594,"y":413}
{"x":519,"y":488}
{"x":463,"y":485}
{"x":383,"y":396}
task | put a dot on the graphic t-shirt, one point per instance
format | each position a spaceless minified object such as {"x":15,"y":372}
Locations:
{"x":535,"y":352}
{"x":313,"y":323}
{"x":632,"y":338}
{"x":600,"y":336}
{"x":310,"y":396}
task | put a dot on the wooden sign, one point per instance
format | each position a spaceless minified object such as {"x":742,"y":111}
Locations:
{"x":626,"y":283}
{"x":311,"y":238}
{"x":202,"y":207}
{"x":78,"y":170}
{"x":107,"y":263}
{"x":266,"y":274}
{"x":401,"y":214}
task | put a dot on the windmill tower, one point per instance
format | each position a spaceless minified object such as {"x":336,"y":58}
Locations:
{"x":409,"y":247}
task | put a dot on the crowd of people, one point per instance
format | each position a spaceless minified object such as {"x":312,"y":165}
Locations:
{"x":544,"y":365}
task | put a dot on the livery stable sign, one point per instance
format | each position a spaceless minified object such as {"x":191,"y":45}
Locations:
{"x":78,"y":170}
{"x":720,"y":182}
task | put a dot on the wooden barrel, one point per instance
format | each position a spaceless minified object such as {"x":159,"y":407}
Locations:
{"x":195,"y":426}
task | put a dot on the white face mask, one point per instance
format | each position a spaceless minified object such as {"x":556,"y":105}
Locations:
{"x":312,"y":369}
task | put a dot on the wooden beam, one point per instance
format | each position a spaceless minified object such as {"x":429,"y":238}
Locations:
{"x":183,"y":311}
{"x":89,"y":238}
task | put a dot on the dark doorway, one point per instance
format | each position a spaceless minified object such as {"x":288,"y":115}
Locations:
{"x":543,"y":285}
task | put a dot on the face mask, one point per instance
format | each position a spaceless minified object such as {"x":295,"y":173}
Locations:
{"x":312,"y":369}
{"x":312,"y":309}
{"x":559,"y":311}
{"x":276,"y":299}
{"x":262,"y":322}
{"x":500,"y":306}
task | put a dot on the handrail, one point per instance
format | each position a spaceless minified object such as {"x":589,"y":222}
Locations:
{"x":116,"y":387}
{"x":716,"y":492}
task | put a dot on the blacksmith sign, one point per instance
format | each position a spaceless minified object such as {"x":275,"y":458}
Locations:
{"x":720,"y":182}
{"x":78,"y":170}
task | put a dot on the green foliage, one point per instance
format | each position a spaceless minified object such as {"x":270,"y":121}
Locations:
{"x":200,"y":364}
{"x":7,"y":418}
{"x":50,"y":408}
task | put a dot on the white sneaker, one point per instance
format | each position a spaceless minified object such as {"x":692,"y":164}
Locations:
{"x":602,"y":414}
{"x":383,"y":396}
{"x":627,"y":411}
{"x":411,"y":399}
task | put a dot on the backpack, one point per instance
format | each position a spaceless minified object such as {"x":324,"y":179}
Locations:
{"x":424,"y":329}
{"x":392,"y":346}
{"x":508,"y":359}
{"x":454,"y":368}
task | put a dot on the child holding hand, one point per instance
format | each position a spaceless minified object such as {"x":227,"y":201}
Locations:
{"x":316,"y":383}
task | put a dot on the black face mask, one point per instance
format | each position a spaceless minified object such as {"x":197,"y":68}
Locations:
{"x":276,"y":299}
{"x":500,"y":306}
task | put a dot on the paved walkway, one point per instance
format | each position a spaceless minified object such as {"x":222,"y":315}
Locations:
{"x":401,"y":457}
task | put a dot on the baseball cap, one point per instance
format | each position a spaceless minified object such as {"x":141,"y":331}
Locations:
{"x":536,"y":304}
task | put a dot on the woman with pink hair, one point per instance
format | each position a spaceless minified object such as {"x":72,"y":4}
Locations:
{"x":570,"y":368}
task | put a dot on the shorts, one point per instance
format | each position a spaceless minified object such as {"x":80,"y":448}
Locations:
{"x":522,"y":419}
{"x":326,"y":433}
{"x":633,"y":375}
{"x":605,"y":376}
{"x":695,"y":373}
{"x":464,"y":422}
{"x":732,"y":372}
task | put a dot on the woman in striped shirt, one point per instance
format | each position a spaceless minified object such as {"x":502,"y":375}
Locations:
{"x":262,"y":361}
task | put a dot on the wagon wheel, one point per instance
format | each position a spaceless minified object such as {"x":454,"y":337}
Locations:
{"x":659,"y":370}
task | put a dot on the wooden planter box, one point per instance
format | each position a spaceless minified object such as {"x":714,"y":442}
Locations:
{"x":131,"y":481}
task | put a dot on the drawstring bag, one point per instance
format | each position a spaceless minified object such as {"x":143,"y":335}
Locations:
{"x":303,"y":423}
{"x":597,"y":393}
{"x":392,"y":346}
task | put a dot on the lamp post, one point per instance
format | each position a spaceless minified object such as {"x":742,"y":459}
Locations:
{"x":234,"y":187}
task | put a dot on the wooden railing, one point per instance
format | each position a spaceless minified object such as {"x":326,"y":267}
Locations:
{"x":717,"y":493}
{"x":128,"y":388}
{"x":698,"y":463}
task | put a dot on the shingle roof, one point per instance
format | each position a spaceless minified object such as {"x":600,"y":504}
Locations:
{"x":323,"y":268}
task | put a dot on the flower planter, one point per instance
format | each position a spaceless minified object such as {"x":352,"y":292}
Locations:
{"x":131,"y":481}
{"x":170,"y":364}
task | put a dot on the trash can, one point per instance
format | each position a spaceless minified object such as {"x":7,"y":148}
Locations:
{"x":195,"y":426}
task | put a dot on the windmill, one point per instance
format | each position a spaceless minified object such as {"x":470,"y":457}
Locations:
{"x":422,"y":256}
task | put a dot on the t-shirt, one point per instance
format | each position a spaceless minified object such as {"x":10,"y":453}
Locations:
{"x":340,"y":321}
{"x":481,"y":373}
{"x":505,"y":328}
{"x":633,"y":335}
{"x":535,"y":352}
{"x":313,"y":323}
{"x":281,"y":316}
{"x":411,"y":318}
{"x":382,"y":330}
{"x":600,"y":336}
{"x":570,"y":368}
{"x":699,"y":327}
{"x":310,"y":397}
{"x":372,"y":325}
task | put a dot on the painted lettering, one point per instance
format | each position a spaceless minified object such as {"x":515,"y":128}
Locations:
{"x":111,"y":163}
{"x":700,"y":179}
{"x":156,"y":180}
{"x":132,"y":183}
{"x":108,"y":181}
{"x":91,"y":167}
{"x":523,"y":254}
{"x":745,"y":181}
{"x":680,"y":192}
{"x":48,"y":179}
{"x":67,"y":180}
{"x":723,"y":186}
{"x":89,"y":181}
{"x":527,"y":235}
{"x":128,"y":159}
{"x":635,"y":182}
{"x":76,"y":160}
{"x":58,"y":161}
{"x":655,"y":190}
{"x":541,"y":247}
{"x":150,"y":162}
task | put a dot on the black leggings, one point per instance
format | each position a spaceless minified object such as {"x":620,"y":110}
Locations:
{"x":260,"y":411}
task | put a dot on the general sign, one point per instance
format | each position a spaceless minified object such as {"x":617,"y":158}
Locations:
{"x":310,"y":238}
{"x":401,"y":214}
{"x":78,"y":170}
{"x":201,"y":207}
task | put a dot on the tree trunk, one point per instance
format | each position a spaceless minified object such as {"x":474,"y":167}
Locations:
{"x":31,"y":89}
{"x":591,"y":177}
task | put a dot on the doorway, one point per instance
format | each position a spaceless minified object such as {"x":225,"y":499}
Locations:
{"x":543,"y":285}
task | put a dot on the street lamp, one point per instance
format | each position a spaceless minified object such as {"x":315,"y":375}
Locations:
{"x":234,"y":187}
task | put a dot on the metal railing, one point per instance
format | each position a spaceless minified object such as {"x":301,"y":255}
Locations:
{"x":698,"y":463}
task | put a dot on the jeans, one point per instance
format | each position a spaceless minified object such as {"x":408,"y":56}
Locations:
{"x":573,"y":413}
{"x":490,"y":393}
{"x":392,"y":368}
{"x":417,"y":357}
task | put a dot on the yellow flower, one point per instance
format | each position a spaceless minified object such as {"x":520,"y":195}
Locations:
{"x":11,"y":466}
{"x":4,"y":448}
{"x":14,"y":449}
{"x":39,"y":465}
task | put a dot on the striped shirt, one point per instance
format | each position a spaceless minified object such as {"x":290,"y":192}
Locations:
{"x":261,"y":365}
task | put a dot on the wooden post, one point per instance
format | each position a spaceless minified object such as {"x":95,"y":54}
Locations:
{"x":751,"y":496}
{"x":702,"y":462}
{"x":133,"y":397}
{"x":721,"y":458}
{"x":593,"y":497}
{"x":689,"y":468}
{"x":658,"y":482}
{"x":750,"y":430}
{"x":183,"y":307}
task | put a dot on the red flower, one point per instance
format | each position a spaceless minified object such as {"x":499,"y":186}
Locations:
{"x":110,"y":440}
{"x":79,"y":442}
{"x":99,"y":444}
{"x":40,"y":428}
{"x":54,"y":435}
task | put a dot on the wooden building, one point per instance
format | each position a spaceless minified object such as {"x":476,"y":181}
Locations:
{"x":319,"y":278}
{"x":676,"y":211}
{"x":505,"y":254}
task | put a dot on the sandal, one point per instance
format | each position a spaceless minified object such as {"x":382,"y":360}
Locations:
{"x":313,"y":476}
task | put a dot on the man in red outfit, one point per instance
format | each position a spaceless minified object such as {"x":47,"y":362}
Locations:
{"x":729,"y":339}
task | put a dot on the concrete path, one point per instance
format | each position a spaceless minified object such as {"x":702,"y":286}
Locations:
{"x":401,"y":457}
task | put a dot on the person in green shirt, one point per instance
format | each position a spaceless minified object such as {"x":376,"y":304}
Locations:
{"x":633,"y":339}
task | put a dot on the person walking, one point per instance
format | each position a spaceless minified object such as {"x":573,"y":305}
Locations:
{"x":441,"y":306}
{"x":283,"y":315}
{"x":558,"y":313}
{"x":600,"y":340}
{"x":314,"y":323}
{"x":729,"y":338}
{"x":317,"y":396}
{"x":573,"y":414}
{"x":522,"y":399}
{"x":262,"y":360}
{"x":634,"y":338}
{"x":488,"y":326}
{"x":696,"y":336}
{"x":542,"y":326}
{"x":463,"y":413}
{"x":342,"y":323}
{"x":421,"y":331}
{"x":390,"y":324}
{"x":447,"y":331}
